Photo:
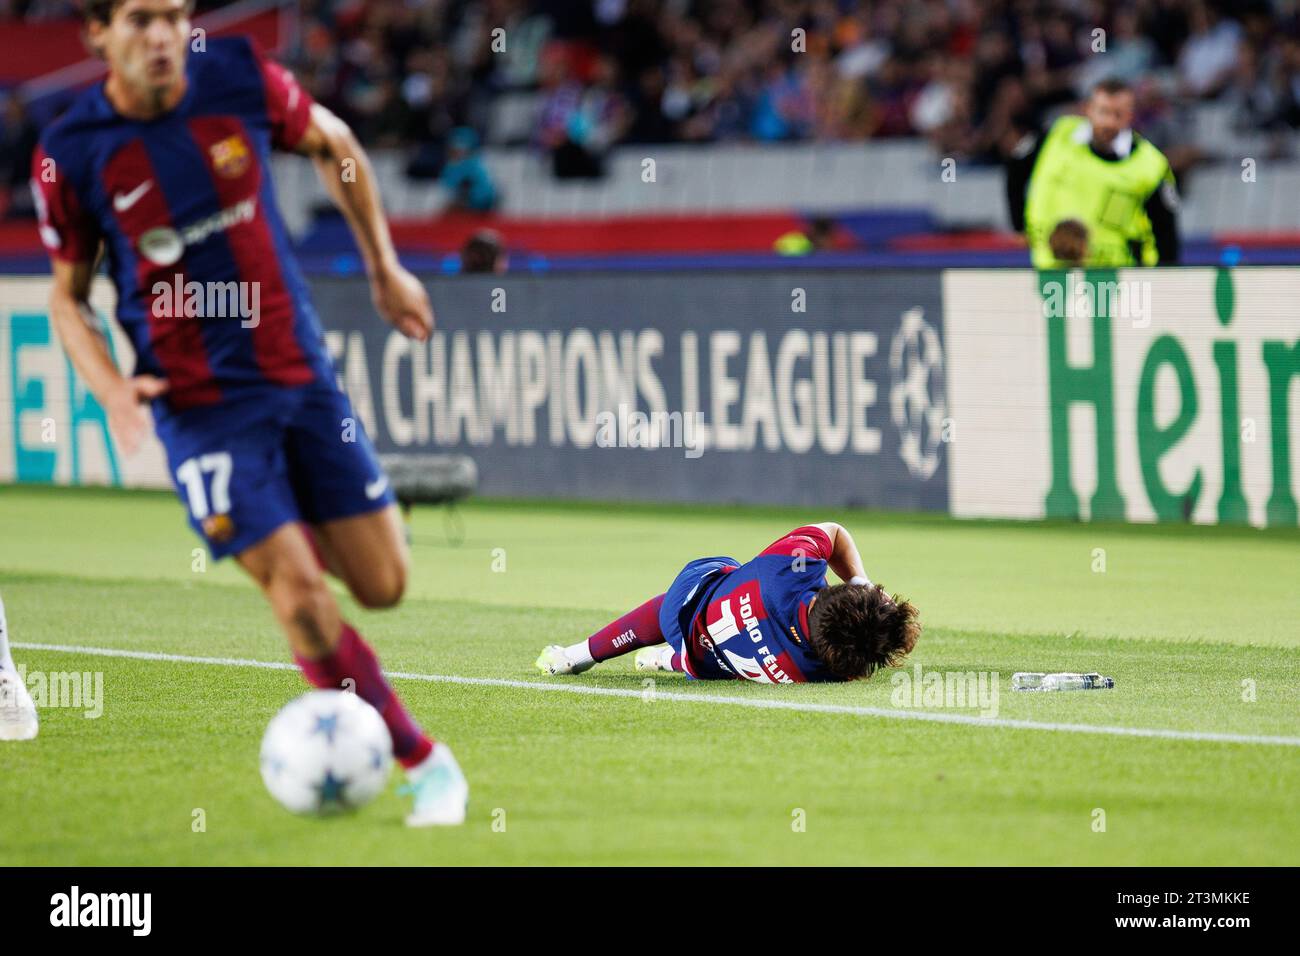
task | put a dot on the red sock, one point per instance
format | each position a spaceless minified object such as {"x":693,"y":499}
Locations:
{"x":354,"y":659}
{"x":639,"y":628}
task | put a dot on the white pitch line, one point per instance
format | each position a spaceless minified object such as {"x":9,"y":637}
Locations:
{"x":969,"y":720}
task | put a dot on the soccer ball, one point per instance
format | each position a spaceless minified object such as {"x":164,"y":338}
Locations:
{"x":326,"y":752}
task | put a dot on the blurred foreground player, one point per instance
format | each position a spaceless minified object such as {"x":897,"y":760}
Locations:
{"x":773,"y":619}
{"x":17,"y":711}
{"x":167,"y":164}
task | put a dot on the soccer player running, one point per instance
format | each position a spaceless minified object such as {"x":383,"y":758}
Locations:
{"x":166,"y":164}
{"x":773,"y":619}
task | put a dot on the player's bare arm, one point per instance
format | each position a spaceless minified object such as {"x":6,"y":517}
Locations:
{"x":345,"y":169}
{"x":845,"y":560}
{"x":122,"y":396}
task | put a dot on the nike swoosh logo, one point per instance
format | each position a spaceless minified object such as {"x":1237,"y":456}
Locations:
{"x":377,"y":487}
{"x":124,"y":201}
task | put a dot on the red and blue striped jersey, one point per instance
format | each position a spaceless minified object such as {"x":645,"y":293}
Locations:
{"x":752,"y":622}
{"x":185,"y":207}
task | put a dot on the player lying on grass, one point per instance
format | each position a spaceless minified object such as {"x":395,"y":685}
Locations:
{"x":773,"y":619}
{"x":167,"y":166}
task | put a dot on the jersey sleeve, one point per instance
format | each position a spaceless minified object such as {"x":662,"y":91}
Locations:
{"x":1162,"y":209}
{"x":810,"y":541}
{"x":288,"y":105}
{"x":67,"y":231}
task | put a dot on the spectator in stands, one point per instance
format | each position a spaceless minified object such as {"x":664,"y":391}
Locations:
{"x":564,"y":130}
{"x":1129,"y":54}
{"x":996,"y":60}
{"x":1168,"y":124}
{"x":891,"y":92}
{"x":1108,"y":181}
{"x":1265,"y":91}
{"x":484,"y":253}
{"x":647,"y":121}
{"x":1209,"y":58}
{"x":466,"y":177}
{"x":1052,"y":57}
{"x":785,"y":104}
{"x":796,"y":242}
{"x":18,"y":137}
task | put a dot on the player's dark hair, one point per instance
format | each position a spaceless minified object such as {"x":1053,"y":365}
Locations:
{"x":855,"y":630}
{"x":102,"y":10}
{"x":1112,"y":85}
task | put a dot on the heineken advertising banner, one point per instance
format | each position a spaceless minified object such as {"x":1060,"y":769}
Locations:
{"x":1141,"y":395}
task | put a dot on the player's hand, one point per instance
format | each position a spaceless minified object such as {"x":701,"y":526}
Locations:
{"x":402,"y":301}
{"x":126,"y":413}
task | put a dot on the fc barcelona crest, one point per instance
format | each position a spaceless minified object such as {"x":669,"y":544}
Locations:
{"x":218,"y":528}
{"x":230,"y":157}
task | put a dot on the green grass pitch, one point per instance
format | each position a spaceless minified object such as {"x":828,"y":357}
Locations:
{"x":1198,"y":627}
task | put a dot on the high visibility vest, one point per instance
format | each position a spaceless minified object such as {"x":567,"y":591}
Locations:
{"x":1070,"y":181}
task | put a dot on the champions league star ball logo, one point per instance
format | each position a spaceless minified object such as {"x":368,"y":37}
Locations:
{"x":916,"y":397}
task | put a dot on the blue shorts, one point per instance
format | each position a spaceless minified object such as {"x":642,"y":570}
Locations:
{"x":681,"y":602}
{"x":247,"y":466}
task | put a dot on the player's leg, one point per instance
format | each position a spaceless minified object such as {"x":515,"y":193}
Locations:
{"x":656,"y":622}
{"x":368,"y":553}
{"x":333,"y":655}
{"x":663,"y":658}
{"x":17,"y":711}
{"x":340,"y":489}
{"x":6,"y":660}
{"x":328,"y":649}
{"x":343,"y":493}
{"x":636,"y":629}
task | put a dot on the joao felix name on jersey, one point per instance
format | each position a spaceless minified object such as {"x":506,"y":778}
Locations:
{"x":752,"y":621}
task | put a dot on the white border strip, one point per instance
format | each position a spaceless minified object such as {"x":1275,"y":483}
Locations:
{"x":757,"y":702}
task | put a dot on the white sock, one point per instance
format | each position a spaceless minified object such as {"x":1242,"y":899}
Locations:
{"x":6,"y":662}
{"x":579,"y":654}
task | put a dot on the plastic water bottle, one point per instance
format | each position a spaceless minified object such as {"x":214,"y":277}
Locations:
{"x":1024,"y":680}
{"x":1062,"y":681}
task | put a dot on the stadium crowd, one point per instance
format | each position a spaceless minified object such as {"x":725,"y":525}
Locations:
{"x":969,"y":75}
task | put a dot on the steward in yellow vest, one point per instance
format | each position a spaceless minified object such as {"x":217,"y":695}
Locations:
{"x":1094,"y":172}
